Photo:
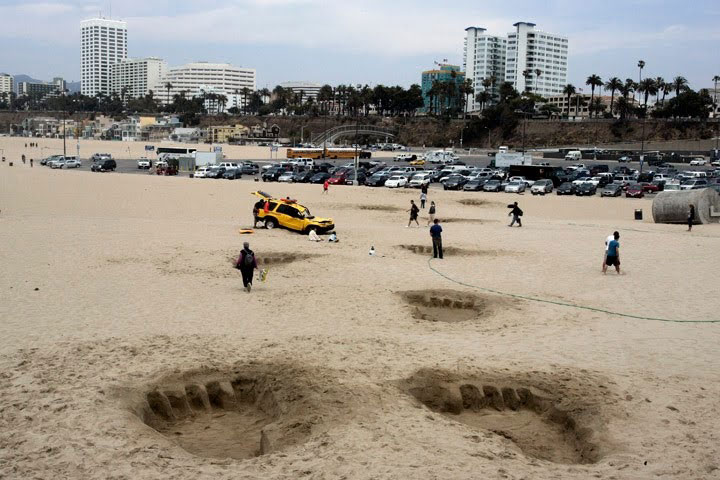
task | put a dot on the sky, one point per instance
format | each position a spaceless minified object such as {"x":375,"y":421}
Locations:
{"x":366,"y":41}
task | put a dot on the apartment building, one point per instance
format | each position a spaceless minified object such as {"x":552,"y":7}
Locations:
{"x":306,"y":89}
{"x":6,"y":83}
{"x":197,"y":78}
{"x":137,"y":76}
{"x":444,"y":73}
{"x":42,"y":89}
{"x":537,"y":61}
{"x":103,"y":44}
{"x":484,"y":59}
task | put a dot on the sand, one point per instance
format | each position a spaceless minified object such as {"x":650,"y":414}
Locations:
{"x":130,"y":350}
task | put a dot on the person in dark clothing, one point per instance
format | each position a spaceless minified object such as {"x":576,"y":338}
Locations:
{"x":247,"y":264}
{"x":516,"y":214}
{"x":256,"y":209}
{"x":414,"y":210}
{"x":436,"y":235}
{"x":691,"y":217}
{"x":424,"y":189}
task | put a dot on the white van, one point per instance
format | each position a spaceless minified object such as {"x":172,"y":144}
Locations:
{"x":573,"y":155}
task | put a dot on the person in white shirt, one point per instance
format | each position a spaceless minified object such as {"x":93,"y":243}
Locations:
{"x":609,"y":239}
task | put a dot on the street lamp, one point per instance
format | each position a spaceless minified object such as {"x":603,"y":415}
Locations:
{"x":524,"y":114}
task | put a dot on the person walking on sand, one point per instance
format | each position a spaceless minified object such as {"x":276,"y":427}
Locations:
{"x":326,"y":186}
{"x":436,"y":235}
{"x":423,"y":199}
{"x":691,"y":217}
{"x":609,"y":239}
{"x":31,"y":163}
{"x":613,"y":254}
{"x":516,"y":214}
{"x":431,"y":213}
{"x":414,"y":210}
{"x":247,"y":264}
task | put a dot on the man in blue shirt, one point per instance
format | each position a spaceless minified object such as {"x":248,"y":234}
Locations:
{"x":613,"y":254}
{"x":436,"y":235}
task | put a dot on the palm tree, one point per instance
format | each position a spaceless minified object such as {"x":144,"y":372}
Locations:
{"x":538,"y":72}
{"x":666,"y":87}
{"x":466,"y":89}
{"x":569,"y":90}
{"x":614,"y":84}
{"x":482,"y":98}
{"x":647,"y":87}
{"x":659,"y":82}
{"x":168,"y":86}
{"x":222,"y":100}
{"x":641,"y":65}
{"x":594,"y":81}
{"x":245,"y":92}
{"x":679,"y":83}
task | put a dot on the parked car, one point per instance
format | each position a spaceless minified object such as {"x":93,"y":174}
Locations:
{"x":304,"y":176}
{"x":417,"y":162}
{"x":232,"y":173}
{"x":693,"y":184}
{"x":586,"y":188}
{"x":216,"y":172}
{"x":97,"y":157}
{"x":396,"y":181}
{"x":201,"y":172}
{"x":541,"y":187}
{"x":671,"y":187}
{"x":272,"y":174}
{"x":249,"y":168}
{"x":698,"y":162}
{"x":515,"y":187}
{"x":492,"y":185}
{"x":72,"y":162}
{"x":104,"y":166}
{"x":320,"y":177}
{"x":405,"y":157}
{"x":48,"y":161}
{"x":634,"y":190}
{"x":624,"y":159}
{"x":611,"y":190}
{"x":475,"y":185}
{"x":567,"y":188}
{"x":287,"y":177}
{"x":143,"y":163}
{"x":649,"y":187}
{"x":455,"y":182}
{"x":419,"y":179}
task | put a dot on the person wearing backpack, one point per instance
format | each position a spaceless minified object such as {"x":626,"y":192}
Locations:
{"x":247,"y":264}
{"x":516,"y":214}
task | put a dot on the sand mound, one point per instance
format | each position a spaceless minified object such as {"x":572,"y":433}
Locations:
{"x":238,"y":415}
{"x":530,"y":420}
{"x":452,"y":251}
{"x":465,"y":220}
{"x":450,"y":305}
{"x":382,"y":208}
{"x":282,"y":258}
{"x":478,"y":202}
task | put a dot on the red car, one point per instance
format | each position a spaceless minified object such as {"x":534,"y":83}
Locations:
{"x":634,"y":191}
{"x":650,"y":187}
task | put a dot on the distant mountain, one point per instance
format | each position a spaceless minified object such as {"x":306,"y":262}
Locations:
{"x":71,"y":86}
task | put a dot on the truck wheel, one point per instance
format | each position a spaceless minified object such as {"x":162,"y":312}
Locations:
{"x":270,"y":223}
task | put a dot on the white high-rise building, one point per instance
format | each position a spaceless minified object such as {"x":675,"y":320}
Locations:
{"x":307,"y":89}
{"x":6,"y":83}
{"x":195,"y":78}
{"x":103,"y":44}
{"x":536,"y":61}
{"x":484,"y":58}
{"x":138,"y":76}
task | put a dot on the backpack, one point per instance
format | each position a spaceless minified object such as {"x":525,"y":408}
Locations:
{"x":519,"y":213}
{"x":249,"y":259}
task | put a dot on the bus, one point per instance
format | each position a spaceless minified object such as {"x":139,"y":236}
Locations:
{"x":330,"y":152}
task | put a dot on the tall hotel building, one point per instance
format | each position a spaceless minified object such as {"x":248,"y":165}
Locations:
{"x":529,"y":59}
{"x":197,"y":78}
{"x":138,"y":76}
{"x":103,"y":44}
{"x":530,"y":52}
{"x":483,"y":58}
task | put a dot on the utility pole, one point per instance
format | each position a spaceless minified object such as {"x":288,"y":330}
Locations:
{"x":357,"y":157}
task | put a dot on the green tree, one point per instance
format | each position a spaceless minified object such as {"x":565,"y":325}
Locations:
{"x":569,"y":90}
{"x":680,"y":84}
{"x":647,"y":87}
{"x":614,"y":85}
{"x":594,"y":81}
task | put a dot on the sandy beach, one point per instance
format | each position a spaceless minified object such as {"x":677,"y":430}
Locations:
{"x":130,"y":349}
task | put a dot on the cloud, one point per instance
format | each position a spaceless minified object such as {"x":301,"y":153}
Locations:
{"x":44,"y":9}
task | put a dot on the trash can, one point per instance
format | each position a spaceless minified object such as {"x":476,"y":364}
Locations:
{"x":638,"y":214}
{"x":11,"y":164}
